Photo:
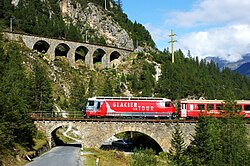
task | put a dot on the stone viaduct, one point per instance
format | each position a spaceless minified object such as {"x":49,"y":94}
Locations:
{"x":89,"y":53}
{"x":93,"y":134}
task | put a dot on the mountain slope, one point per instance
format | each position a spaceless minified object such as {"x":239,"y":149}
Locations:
{"x":241,"y":66}
{"x":76,"y":20}
{"x":244,"y":69}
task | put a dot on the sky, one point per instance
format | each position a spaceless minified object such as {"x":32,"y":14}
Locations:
{"x":219,"y":28}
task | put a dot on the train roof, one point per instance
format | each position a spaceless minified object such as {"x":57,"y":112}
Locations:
{"x":213,"y":101}
{"x":129,"y":98}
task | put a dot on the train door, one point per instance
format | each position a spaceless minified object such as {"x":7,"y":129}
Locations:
{"x":98,"y":105}
{"x":100,"y":110}
{"x":183,"y":110}
{"x":191,"y":107}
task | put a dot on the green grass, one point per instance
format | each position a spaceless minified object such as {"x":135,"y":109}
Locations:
{"x":63,"y":138}
{"x":106,"y":158}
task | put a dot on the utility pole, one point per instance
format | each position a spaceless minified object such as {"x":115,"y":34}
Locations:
{"x":105,"y":5}
{"x":86,"y":36}
{"x":11,"y":24}
{"x":172,"y":44}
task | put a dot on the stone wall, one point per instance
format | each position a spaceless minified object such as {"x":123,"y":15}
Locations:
{"x":93,"y":134}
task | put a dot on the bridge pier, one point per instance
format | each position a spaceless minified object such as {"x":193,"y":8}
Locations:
{"x":51,"y":52}
{"x":89,"y":58}
{"x":71,"y":55}
{"x":50,"y":141}
{"x":106,"y":59}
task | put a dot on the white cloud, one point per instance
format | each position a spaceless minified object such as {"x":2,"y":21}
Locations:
{"x":229,"y":42}
{"x":218,"y":28}
{"x":207,"y":12}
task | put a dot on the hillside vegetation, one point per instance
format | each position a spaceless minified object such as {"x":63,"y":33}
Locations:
{"x":44,"y":18}
{"x":16,"y":101}
{"x":189,"y":77}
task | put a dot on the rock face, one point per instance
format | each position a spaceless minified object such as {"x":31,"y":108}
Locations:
{"x":98,"y":20}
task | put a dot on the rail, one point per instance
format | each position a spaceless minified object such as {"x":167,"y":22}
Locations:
{"x":78,"y":117}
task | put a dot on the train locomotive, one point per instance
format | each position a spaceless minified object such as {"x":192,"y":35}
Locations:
{"x":147,"y":107}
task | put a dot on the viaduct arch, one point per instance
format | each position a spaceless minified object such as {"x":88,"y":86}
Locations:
{"x":93,"y":134}
{"x":89,"y":53}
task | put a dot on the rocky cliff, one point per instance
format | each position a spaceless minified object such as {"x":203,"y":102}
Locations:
{"x":98,"y":19}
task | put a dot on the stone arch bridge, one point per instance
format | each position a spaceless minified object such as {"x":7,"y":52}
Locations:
{"x":93,"y":134}
{"x":89,"y":53}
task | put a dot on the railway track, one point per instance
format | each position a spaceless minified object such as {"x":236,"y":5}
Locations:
{"x":125,"y":120}
{"x":79,"y":118}
{"x":120,"y":120}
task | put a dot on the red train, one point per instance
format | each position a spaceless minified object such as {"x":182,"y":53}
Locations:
{"x":157,"y":107}
{"x":194,"y":108}
{"x":129,"y":107}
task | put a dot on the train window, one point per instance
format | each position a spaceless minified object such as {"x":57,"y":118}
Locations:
{"x":219,"y":107}
{"x":201,"y":106}
{"x":167,"y":104}
{"x":183,"y":106}
{"x":246,"y":107}
{"x":210,"y":107}
{"x":91,"y":103}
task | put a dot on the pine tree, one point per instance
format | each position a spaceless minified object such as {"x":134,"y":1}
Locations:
{"x":77,"y":99}
{"x":234,"y":136}
{"x":41,"y":90}
{"x":176,"y":154}
{"x":91,"y":87}
{"x":108,"y":89}
{"x":119,"y":3}
{"x":72,"y":33}
{"x":6,"y":11}
{"x":202,"y":148}
{"x":221,"y":142}
{"x":14,"y":106}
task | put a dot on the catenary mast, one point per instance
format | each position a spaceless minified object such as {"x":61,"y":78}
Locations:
{"x":172,"y":44}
